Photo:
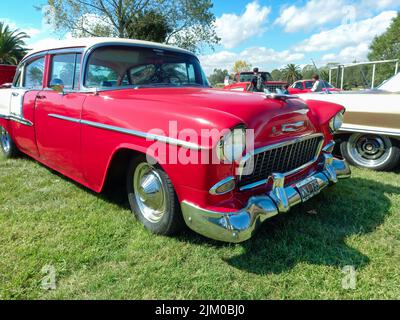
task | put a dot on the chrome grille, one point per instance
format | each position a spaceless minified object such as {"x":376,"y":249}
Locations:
{"x":273,"y":87}
{"x":283,"y":158}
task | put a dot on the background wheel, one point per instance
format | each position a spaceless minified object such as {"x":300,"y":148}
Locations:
{"x":371,"y":151}
{"x":7,"y":145}
{"x":152,"y":198}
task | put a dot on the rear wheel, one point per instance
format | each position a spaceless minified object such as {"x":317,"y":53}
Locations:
{"x":152,"y":198}
{"x":7,"y":145}
{"x":371,"y":151}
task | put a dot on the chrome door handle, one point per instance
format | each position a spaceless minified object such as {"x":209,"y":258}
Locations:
{"x":15,"y":94}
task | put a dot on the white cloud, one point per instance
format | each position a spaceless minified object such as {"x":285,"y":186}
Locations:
{"x":348,"y":54}
{"x":314,"y":14}
{"x":233,"y":29}
{"x":262,"y":57}
{"x":30,"y":31}
{"x":348,"y":34}
{"x":380,"y":4}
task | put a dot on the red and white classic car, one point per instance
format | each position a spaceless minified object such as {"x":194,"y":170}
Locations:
{"x":93,"y":109}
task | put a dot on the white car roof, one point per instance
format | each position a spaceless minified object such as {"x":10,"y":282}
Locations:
{"x":87,"y":43}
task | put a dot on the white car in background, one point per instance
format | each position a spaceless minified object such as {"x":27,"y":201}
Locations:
{"x":370,"y":135}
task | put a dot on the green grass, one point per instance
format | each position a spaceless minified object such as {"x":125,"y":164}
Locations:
{"x":100,"y":252}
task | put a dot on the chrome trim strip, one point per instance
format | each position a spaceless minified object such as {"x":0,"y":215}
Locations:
{"x":20,"y":120}
{"x":140,"y":134}
{"x":329,"y":147}
{"x":280,"y":145}
{"x":345,"y":129}
{"x":52,"y":115}
{"x":214,"y":189}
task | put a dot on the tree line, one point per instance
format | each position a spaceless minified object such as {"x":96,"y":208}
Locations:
{"x":187,"y":24}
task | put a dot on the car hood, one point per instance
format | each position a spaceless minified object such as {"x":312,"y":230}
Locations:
{"x":218,"y":108}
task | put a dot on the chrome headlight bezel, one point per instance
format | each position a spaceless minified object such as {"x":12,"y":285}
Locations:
{"x":336,"y":122}
{"x":232,"y":145}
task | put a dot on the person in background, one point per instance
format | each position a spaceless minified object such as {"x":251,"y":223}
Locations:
{"x":257,"y":83}
{"x":285,"y":89}
{"x":318,"y":85}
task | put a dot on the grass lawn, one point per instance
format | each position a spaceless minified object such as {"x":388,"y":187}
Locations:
{"x":99,"y":251}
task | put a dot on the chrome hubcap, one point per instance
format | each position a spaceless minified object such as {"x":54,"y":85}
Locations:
{"x":150,"y":193}
{"x":369,"y":150}
{"x":5,"y":140}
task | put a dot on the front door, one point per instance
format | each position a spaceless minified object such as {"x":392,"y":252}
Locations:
{"x":58,"y":114}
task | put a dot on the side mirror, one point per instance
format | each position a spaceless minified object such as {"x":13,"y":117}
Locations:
{"x":57,"y":85}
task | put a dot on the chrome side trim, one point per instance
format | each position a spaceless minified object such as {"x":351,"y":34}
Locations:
{"x":20,"y":120}
{"x":363,"y":129}
{"x":140,"y":134}
{"x":214,"y":189}
{"x":275,"y":146}
{"x":52,"y":115}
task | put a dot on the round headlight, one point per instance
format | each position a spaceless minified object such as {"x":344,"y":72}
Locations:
{"x":336,"y":122}
{"x":232,"y":145}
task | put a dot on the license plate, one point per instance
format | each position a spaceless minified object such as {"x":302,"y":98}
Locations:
{"x":308,"y":188}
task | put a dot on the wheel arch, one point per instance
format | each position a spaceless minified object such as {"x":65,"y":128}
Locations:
{"x":118,"y":164}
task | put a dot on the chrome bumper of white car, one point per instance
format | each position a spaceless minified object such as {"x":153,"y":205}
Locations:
{"x":241,"y":225}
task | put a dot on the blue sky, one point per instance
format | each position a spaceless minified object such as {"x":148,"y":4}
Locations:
{"x":266,"y":33}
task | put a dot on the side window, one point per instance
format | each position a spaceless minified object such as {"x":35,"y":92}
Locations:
{"x":299,"y":86}
{"x":34,"y":74}
{"x":191,"y":73}
{"x":309,"y":85}
{"x":65,"y":70}
{"x":100,"y":76}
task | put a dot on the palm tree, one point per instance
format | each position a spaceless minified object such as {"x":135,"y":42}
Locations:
{"x":12,"y":45}
{"x":291,"y":73}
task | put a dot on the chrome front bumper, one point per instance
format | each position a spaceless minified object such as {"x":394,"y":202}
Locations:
{"x":241,"y":225}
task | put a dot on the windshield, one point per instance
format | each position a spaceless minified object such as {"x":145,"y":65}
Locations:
{"x":391,"y":85}
{"x":125,"y":66}
{"x":248,"y":76}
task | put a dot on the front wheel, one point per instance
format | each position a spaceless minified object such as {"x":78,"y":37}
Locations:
{"x":371,"y":151}
{"x":7,"y":145}
{"x":152,"y":198}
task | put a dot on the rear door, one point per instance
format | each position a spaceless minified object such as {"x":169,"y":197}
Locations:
{"x":58,"y":116}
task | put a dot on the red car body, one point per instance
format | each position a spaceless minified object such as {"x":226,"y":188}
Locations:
{"x":305,"y":86}
{"x":90,"y":134}
{"x":243,"y":82}
{"x":7,"y":73}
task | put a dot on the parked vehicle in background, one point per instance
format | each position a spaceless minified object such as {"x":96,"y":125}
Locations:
{"x":305,"y":86}
{"x":104,"y":110}
{"x":7,"y":73}
{"x":370,"y":135}
{"x":242,"y":82}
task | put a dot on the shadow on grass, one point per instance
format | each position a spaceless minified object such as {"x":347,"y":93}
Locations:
{"x":313,"y":233}
{"x":316,"y":232}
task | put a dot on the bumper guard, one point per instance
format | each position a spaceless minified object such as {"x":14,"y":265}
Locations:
{"x":240,"y":226}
